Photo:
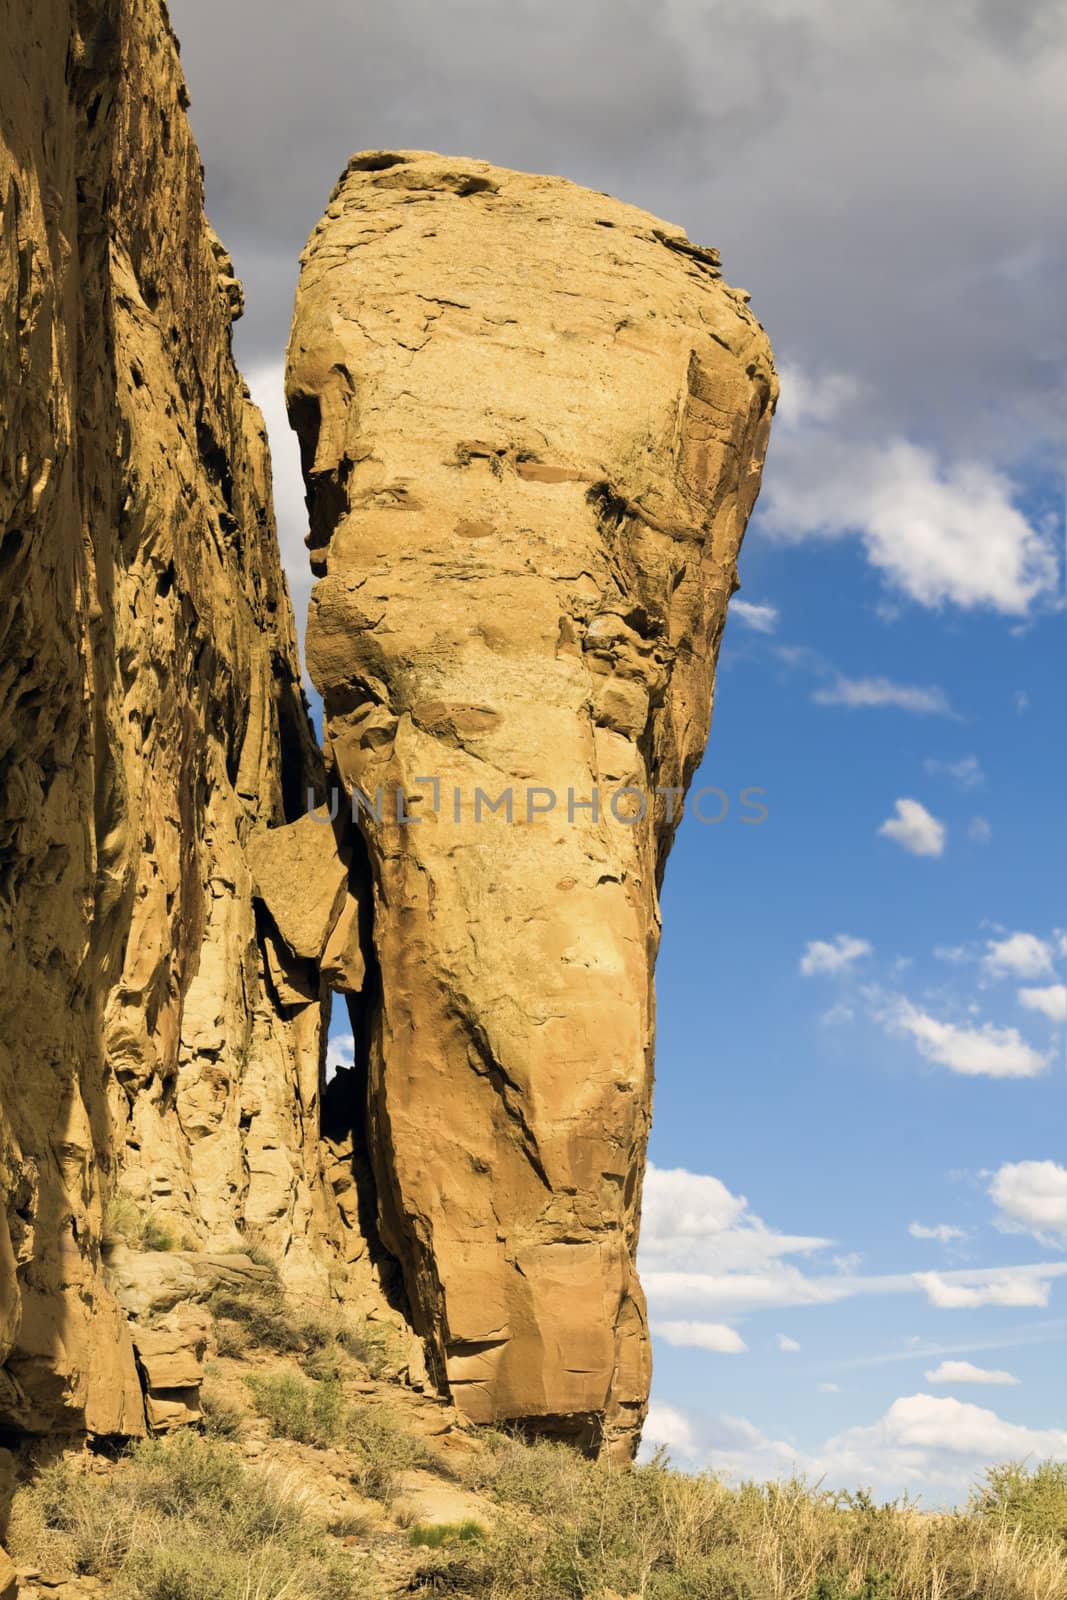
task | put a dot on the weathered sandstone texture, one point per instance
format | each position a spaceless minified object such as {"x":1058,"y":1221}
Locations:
{"x":161,"y":1041}
{"x":533,"y":421}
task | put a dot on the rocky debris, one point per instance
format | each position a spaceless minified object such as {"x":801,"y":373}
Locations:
{"x":533,"y":421}
{"x":170,"y":1357}
{"x":9,"y":1582}
{"x":154,"y":1284}
{"x":301,"y":875}
{"x":152,"y":725}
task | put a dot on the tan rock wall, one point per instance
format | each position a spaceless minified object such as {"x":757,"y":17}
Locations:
{"x":533,"y":421}
{"x":151,"y":722}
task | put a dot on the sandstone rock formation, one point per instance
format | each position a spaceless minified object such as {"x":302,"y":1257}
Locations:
{"x":533,"y":421}
{"x":152,"y":727}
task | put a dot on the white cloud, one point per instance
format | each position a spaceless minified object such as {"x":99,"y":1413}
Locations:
{"x":705,"y":1259}
{"x":868,"y":692}
{"x":829,"y":1388}
{"x":985,"y":1051}
{"x":787,"y":1344}
{"x":1022,"y":701}
{"x":666,"y":1426}
{"x":943,"y":1232}
{"x":967,"y":1372}
{"x":1031,"y":1197}
{"x":967,"y":772}
{"x":760,"y":618}
{"x":340,"y":1052}
{"x":979,"y":830}
{"x":941,"y":532}
{"x":914,"y":829}
{"x":717,"y":1336}
{"x":266,"y":382}
{"x":934,"y":1445}
{"x":822,"y":957}
{"x":1018,"y":955}
{"x":1019,"y":1287}
{"x":1050,"y":1001}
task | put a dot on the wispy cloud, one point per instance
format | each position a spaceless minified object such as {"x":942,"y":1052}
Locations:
{"x":760,"y":618}
{"x":706,"y":1259}
{"x":872,"y":692}
{"x":966,"y":773}
{"x":823,"y":958}
{"x":943,"y":1232}
{"x":998,"y":1288}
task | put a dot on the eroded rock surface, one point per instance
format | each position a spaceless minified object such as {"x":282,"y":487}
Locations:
{"x":152,"y":727}
{"x":533,"y":421}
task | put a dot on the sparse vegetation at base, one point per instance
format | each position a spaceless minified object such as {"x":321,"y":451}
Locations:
{"x":182,"y":1519}
{"x":566,"y":1528}
{"x":347,"y":1498}
{"x":324,"y":1340}
{"x":317,"y":1413}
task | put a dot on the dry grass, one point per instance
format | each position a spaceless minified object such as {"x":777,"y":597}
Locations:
{"x":568,"y":1528}
{"x":182,"y":1520}
{"x":317,"y":1413}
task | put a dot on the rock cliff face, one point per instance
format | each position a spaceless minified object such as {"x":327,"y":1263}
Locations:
{"x":160,"y":1041}
{"x":533,"y":421}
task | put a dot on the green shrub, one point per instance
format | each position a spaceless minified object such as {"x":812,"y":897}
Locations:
{"x":1032,"y":1499}
{"x":438,"y":1535}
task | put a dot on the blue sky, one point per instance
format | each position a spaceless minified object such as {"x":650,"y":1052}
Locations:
{"x":861,"y":999}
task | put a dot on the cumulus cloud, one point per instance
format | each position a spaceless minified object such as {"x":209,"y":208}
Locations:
{"x":788,"y":1345}
{"x":1031,"y":1197}
{"x":967,"y":1372}
{"x":983,"y":1051}
{"x":979,"y":830}
{"x":938,"y":1443}
{"x":1051,"y":1001}
{"x":941,"y":532}
{"x":943,"y":1232}
{"x":867,"y":692}
{"x":1018,"y":955}
{"x":823,"y":957}
{"x":717,"y":1336}
{"x":935,"y":1445}
{"x":760,"y":618}
{"x":914,"y":829}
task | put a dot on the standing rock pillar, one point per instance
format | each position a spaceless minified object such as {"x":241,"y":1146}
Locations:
{"x":532,"y":422}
